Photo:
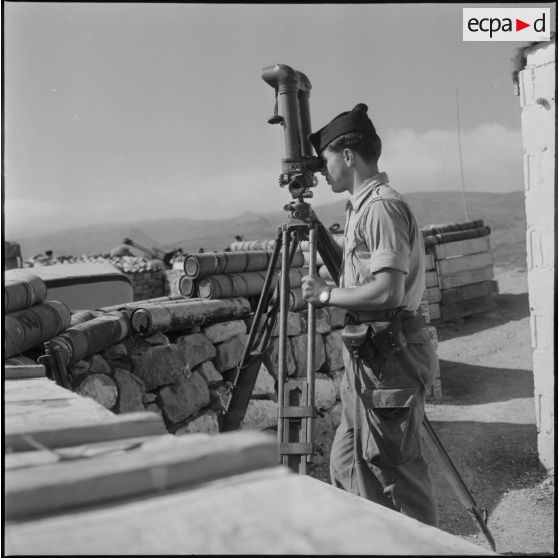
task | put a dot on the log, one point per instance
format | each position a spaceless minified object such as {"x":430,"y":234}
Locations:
{"x":23,"y":292}
{"x":197,"y":266}
{"x":432,"y":239}
{"x":25,"y":329}
{"x":91,"y":337}
{"x":452,"y":227}
{"x":243,"y":284}
{"x":187,"y":287}
{"x":181,"y":316}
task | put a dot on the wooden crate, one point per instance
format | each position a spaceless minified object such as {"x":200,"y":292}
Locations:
{"x":460,"y":278}
{"x":468,"y":292}
{"x":450,"y":312}
{"x":464,"y":263}
{"x":461,"y":247}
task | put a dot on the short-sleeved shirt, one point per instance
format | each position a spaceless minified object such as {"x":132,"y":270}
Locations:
{"x":381,"y":232}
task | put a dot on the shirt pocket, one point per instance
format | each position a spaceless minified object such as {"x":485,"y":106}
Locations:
{"x":359,"y":258}
{"x":394,"y":419}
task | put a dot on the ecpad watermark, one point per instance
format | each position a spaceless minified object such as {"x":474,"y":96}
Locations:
{"x":506,"y":24}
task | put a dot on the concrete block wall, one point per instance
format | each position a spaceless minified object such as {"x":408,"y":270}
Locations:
{"x":182,"y":376}
{"x":536,"y":89}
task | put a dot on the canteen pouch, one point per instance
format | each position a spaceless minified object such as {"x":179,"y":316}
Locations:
{"x":354,"y":336}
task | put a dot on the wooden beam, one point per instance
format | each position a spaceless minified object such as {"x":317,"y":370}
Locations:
{"x":431,"y":278}
{"x":157,"y":465}
{"x":429,"y":262}
{"x":55,"y":423}
{"x":432,"y":294}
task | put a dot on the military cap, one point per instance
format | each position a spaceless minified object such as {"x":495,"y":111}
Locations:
{"x":355,"y":120}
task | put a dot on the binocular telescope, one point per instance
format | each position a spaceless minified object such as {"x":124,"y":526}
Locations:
{"x":299,"y":165}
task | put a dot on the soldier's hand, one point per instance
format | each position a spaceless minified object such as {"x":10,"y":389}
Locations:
{"x":312,"y":286}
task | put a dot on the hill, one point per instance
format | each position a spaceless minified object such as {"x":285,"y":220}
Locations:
{"x":504,"y":213}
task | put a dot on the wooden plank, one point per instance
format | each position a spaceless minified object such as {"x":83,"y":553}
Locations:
{"x":434,"y":311}
{"x":462,"y":247}
{"x":14,"y":372}
{"x":462,"y":263}
{"x":68,"y":422}
{"x":467,"y":292}
{"x":467,"y":308}
{"x":268,"y":511}
{"x":429,"y":262}
{"x":24,"y":459}
{"x":159,"y":464}
{"x":431,"y":278}
{"x":452,"y":280}
{"x":432,"y":294}
{"x":35,"y":389}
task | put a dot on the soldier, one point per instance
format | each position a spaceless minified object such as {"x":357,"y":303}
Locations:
{"x":377,"y":451}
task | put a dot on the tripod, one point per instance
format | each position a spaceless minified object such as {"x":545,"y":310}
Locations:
{"x":295,"y":395}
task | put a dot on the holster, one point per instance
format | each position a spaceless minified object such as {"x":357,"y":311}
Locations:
{"x":370,"y":338}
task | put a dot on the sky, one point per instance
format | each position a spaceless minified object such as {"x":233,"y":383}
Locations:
{"x":126,"y":111}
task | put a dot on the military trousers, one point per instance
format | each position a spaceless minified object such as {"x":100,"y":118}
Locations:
{"x":377,"y":450}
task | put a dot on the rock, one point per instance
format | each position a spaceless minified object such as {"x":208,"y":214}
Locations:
{"x":336,"y":317}
{"x":265,"y":383}
{"x":208,"y":372}
{"x":183,"y":398}
{"x":130,"y":392}
{"x":271,"y":359}
{"x":206,"y":421}
{"x":154,"y":408}
{"x":99,"y":387}
{"x":195,"y":348}
{"x":159,"y":366}
{"x":158,"y":338}
{"x":322,"y":320}
{"x":79,"y":367}
{"x":260,"y":414}
{"x":337,"y":376}
{"x":299,"y":347}
{"x":335,"y":413}
{"x":294,"y":325}
{"x":334,"y":350}
{"x":324,"y":392}
{"x":229,"y":352}
{"x":217,"y":333}
{"x":149,"y":397}
{"x":115,"y":352}
{"x":98,"y":365}
{"x":323,"y":432}
{"x":136,"y":345}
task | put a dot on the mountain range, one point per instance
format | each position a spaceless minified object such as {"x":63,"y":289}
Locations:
{"x":503,"y":213}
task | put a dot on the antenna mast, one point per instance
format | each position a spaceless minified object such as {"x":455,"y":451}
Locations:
{"x":461,"y":157}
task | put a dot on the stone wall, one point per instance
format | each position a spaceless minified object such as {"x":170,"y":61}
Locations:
{"x":154,"y":283}
{"x":536,"y":89}
{"x":182,"y":376}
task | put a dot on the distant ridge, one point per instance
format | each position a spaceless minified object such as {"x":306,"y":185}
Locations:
{"x":504,"y":213}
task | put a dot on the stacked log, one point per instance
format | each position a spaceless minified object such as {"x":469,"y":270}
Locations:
{"x":238,"y":273}
{"x":462,"y":283}
{"x":30,"y":320}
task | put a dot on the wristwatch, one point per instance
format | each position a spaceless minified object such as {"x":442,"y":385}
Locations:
{"x":324,"y":296}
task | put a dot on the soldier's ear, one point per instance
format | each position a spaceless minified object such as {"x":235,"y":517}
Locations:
{"x":349,"y":157}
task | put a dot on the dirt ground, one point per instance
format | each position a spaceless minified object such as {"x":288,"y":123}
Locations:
{"x":486,"y":421}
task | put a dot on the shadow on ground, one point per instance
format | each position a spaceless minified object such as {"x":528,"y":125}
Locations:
{"x":466,"y":384}
{"x":492,"y":459}
{"x":509,"y":307}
